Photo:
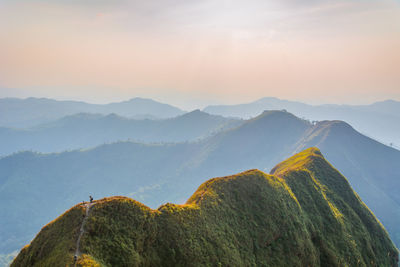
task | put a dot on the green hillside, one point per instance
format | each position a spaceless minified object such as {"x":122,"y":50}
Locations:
{"x":42,"y":186}
{"x":305,"y":214}
{"x":372,"y":169}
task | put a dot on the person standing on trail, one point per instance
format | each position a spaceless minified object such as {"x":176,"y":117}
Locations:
{"x":91,"y":199}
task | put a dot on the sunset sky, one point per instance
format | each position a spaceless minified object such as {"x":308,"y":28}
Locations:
{"x":190,"y":53}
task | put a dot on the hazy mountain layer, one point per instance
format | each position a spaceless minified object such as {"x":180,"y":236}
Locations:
{"x":380,"y":120}
{"x":40,"y":186}
{"x":306,"y":214}
{"x":29,"y":112}
{"x":89,"y":130}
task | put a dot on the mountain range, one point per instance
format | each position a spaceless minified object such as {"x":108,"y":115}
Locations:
{"x":380,"y":120}
{"x":23,"y":113}
{"x":41,"y":186}
{"x":87,"y":130}
{"x":304,"y":214}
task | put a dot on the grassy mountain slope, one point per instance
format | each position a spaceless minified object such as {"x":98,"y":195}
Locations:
{"x":304,"y":215}
{"x":374,"y":169}
{"x":40,"y":186}
{"x":29,"y":112}
{"x":44,"y":183}
{"x":89,"y":130}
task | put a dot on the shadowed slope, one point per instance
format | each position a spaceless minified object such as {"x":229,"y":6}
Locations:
{"x":258,"y":143}
{"x":350,"y":220}
{"x":372,"y":168}
{"x":304,"y":215}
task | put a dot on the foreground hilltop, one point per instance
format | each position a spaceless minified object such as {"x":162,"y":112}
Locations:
{"x":304,"y":214}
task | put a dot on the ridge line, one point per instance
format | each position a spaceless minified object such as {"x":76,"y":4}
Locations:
{"x":81,"y":232}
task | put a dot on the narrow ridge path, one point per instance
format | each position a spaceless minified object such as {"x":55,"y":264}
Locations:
{"x":81,"y":231}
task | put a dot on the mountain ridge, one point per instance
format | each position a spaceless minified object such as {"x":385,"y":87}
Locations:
{"x":371,"y":168}
{"x":380,"y":120}
{"x":262,"y":219}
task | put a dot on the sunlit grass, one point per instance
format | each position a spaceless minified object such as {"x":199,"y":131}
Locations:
{"x":305,"y":214}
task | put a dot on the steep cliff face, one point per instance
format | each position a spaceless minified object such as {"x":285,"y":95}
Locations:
{"x":304,"y":214}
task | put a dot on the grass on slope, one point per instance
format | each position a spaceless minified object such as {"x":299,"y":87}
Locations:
{"x":333,"y":200}
{"x":211,"y":229}
{"x":55,"y":244}
{"x":304,"y":215}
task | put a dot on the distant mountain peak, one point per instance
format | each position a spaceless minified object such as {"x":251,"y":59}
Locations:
{"x":135,"y":99}
{"x":268,"y":99}
{"x":335,"y":125}
{"x":269,"y":112}
{"x":196,"y":113}
{"x":275,"y":114}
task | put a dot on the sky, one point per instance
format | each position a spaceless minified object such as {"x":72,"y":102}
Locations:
{"x":193,"y":53}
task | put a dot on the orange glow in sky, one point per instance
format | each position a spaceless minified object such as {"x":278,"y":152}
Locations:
{"x":194,"y":52}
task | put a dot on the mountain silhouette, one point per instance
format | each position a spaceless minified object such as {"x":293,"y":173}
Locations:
{"x":22,"y":113}
{"x":380,"y":120}
{"x":85,"y":130}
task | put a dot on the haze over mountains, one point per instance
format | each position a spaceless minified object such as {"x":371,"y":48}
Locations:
{"x":380,"y":120}
{"x":88,"y":130}
{"x":305,"y":214}
{"x":22,"y":113}
{"x":41,"y":186}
